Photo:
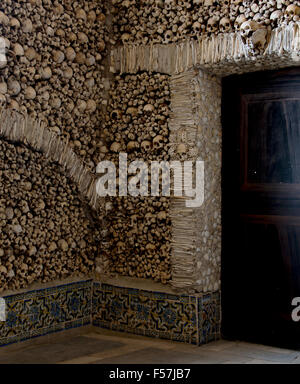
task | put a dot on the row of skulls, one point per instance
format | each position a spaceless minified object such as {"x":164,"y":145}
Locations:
{"x":171,"y":20}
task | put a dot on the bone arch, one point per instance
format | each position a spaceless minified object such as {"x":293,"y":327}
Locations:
{"x":19,"y":128}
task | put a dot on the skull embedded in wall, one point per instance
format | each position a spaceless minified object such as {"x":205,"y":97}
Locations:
{"x":225,"y":25}
{"x":293,"y":12}
{"x":254,"y":35}
{"x":212,"y":24}
{"x":158,"y":142}
{"x":259,"y":39}
{"x":239,"y":21}
{"x":146,"y":145}
{"x":125,"y":38}
{"x":120,"y":247}
{"x":169,"y":4}
{"x":168,"y":36}
{"x":132,"y":145}
{"x":276,"y":15}
{"x":197,"y":27}
{"x":248,"y":28}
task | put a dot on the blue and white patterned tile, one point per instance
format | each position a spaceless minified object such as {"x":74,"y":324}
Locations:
{"x":145,"y":312}
{"x":40,"y":312}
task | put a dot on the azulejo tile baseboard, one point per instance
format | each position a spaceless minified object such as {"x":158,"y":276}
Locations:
{"x":186,"y":318}
{"x":44,"y":311}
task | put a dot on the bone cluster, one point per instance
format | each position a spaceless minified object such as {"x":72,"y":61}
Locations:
{"x":138,"y":229}
{"x":169,"y":21}
{"x":54,"y":69}
{"x":46,"y":232}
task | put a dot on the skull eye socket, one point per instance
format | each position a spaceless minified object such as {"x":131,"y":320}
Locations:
{"x":114,"y":114}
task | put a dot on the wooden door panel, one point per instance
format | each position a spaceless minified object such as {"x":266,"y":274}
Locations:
{"x":278,"y":159}
{"x":261,"y":206}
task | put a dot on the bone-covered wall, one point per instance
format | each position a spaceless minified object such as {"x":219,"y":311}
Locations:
{"x":222,"y":37}
{"x":55,"y":71}
{"x":46,"y":231}
{"x":170,"y":21}
{"x":138,"y":229}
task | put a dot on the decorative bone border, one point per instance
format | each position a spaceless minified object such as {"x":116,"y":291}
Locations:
{"x":33,"y":133}
{"x":182,"y":126}
{"x":222,"y":54}
{"x":195,"y":122}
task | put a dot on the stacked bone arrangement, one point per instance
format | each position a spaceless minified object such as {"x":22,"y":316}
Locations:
{"x":47,"y":232}
{"x":138,"y":228}
{"x":171,"y":21}
{"x":56,"y":69}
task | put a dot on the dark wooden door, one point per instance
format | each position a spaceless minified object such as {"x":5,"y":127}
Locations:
{"x":261,"y":207}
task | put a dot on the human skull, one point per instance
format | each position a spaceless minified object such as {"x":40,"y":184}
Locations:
{"x":293,"y":11}
{"x":248,"y":28}
{"x":258,"y":39}
{"x":168,"y":36}
{"x":132,"y":145}
{"x":239,"y":21}
{"x":146,"y":145}
{"x":276,"y":15}
{"x":120,"y":247}
{"x":212,"y":24}
{"x":169,"y":4}
{"x":125,"y":38}
{"x":158,"y":142}
{"x":197,"y":27}
{"x":225,"y":25}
